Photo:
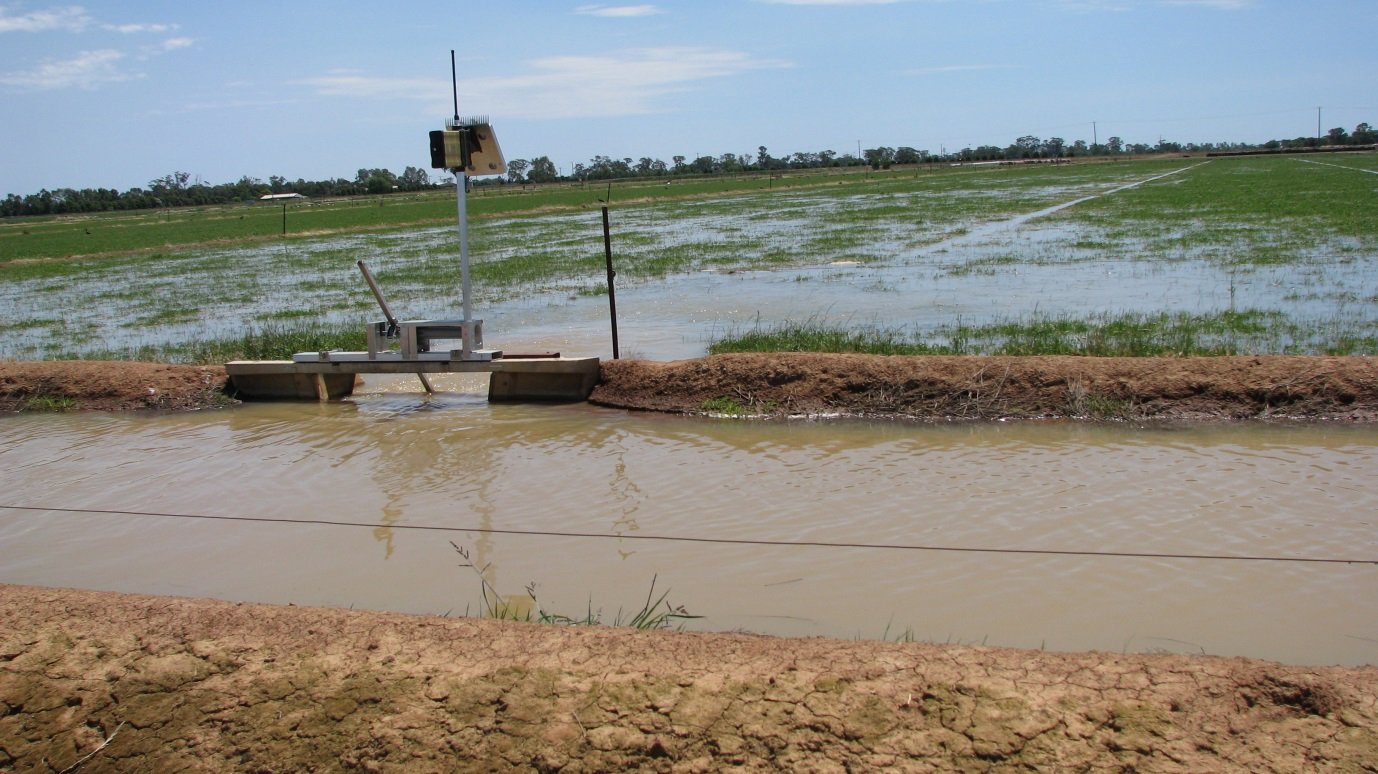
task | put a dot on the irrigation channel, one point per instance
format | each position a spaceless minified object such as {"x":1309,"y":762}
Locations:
{"x":396,"y":460}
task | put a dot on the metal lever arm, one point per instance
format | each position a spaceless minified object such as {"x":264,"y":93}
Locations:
{"x":392,"y":320}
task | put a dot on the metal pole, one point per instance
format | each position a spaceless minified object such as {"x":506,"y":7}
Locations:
{"x":612,"y":295}
{"x":463,"y":243}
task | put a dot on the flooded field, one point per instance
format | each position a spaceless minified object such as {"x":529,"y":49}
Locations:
{"x":414,"y":474}
{"x":108,"y":501}
{"x":1278,"y":235}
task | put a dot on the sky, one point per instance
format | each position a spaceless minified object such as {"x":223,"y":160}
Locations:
{"x":113,"y":94}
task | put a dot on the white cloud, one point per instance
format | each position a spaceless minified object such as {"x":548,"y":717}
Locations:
{"x":226,"y":106}
{"x":617,"y":84}
{"x":70,"y":18}
{"x":618,"y":11}
{"x":172,"y":44}
{"x":346,"y":83}
{"x":130,"y":29}
{"x":86,"y":70}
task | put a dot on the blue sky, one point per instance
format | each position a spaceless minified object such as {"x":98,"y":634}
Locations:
{"x":114,"y":94}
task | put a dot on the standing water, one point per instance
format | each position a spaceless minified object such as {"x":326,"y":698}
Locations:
{"x":107,"y":499}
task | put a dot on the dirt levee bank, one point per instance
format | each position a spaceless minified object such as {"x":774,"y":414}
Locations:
{"x":1334,"y":388}
{"x":183,"y":684}
{"x":993,"y":387}
{"x":108,"y":385}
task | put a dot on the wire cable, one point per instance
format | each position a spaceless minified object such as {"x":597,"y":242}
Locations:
{"x":710,"y":540}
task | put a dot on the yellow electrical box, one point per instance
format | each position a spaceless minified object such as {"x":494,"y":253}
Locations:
{"x":471,"y":147}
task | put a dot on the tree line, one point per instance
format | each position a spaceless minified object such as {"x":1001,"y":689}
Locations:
{"x":180,"y":189}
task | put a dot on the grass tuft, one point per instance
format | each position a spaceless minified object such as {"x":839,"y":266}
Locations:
{"x":655,"y":613}
{"x":48,"y":404}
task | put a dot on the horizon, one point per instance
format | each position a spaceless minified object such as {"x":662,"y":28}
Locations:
{"x":101,"y":96}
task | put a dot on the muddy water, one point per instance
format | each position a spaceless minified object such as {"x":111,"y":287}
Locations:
{"x":395,"y":460}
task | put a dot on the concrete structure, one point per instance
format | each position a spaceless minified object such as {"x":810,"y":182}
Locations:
{"x":332,"y":375}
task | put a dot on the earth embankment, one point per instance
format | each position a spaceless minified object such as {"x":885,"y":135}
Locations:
{"x":95,"y":385}
{"x":136,"y":683}
{"x":1162,"y":388}
{"x":925,"y":388}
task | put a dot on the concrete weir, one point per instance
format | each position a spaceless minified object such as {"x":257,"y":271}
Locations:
{"x":332,"y":377}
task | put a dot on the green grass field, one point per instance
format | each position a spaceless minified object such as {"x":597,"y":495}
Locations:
{"x":123,"y":232}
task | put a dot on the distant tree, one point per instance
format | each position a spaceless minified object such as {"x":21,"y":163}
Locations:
{"x":175,"y":181}
{"x":907,"y":155}
{"x":1053,"y":147}
{"x":375,"y":180}
{"x":1026,"y":147}
{"x":879,"y":158}
{"x":516,"y":170}
{"x":1337,"y":136}
{"x":414,"y":179}
{"x":604,"y":168}
{"x":248,"y":188}
{"x":542,"y":170}
{"x":679,"y":164}
{"x":1363,"y":135}
{"x":1115,"y":145}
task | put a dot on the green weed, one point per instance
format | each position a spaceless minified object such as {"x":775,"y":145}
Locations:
{"x":48,"y":404}
{"x":723,"y":406}
{"x":655,"y":613}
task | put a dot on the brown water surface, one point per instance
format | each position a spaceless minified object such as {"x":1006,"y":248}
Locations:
{"x":394,"y":459}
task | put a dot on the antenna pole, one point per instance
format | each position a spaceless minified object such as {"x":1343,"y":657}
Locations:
{"x":454,"y":85}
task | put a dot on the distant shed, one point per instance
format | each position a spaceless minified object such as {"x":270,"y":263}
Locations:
{"x":282,"y":197}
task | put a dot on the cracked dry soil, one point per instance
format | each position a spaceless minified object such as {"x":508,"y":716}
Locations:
{"x":169,"y":684}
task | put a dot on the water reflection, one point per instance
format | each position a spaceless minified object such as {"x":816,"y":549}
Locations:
{"x":393,"y":461}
